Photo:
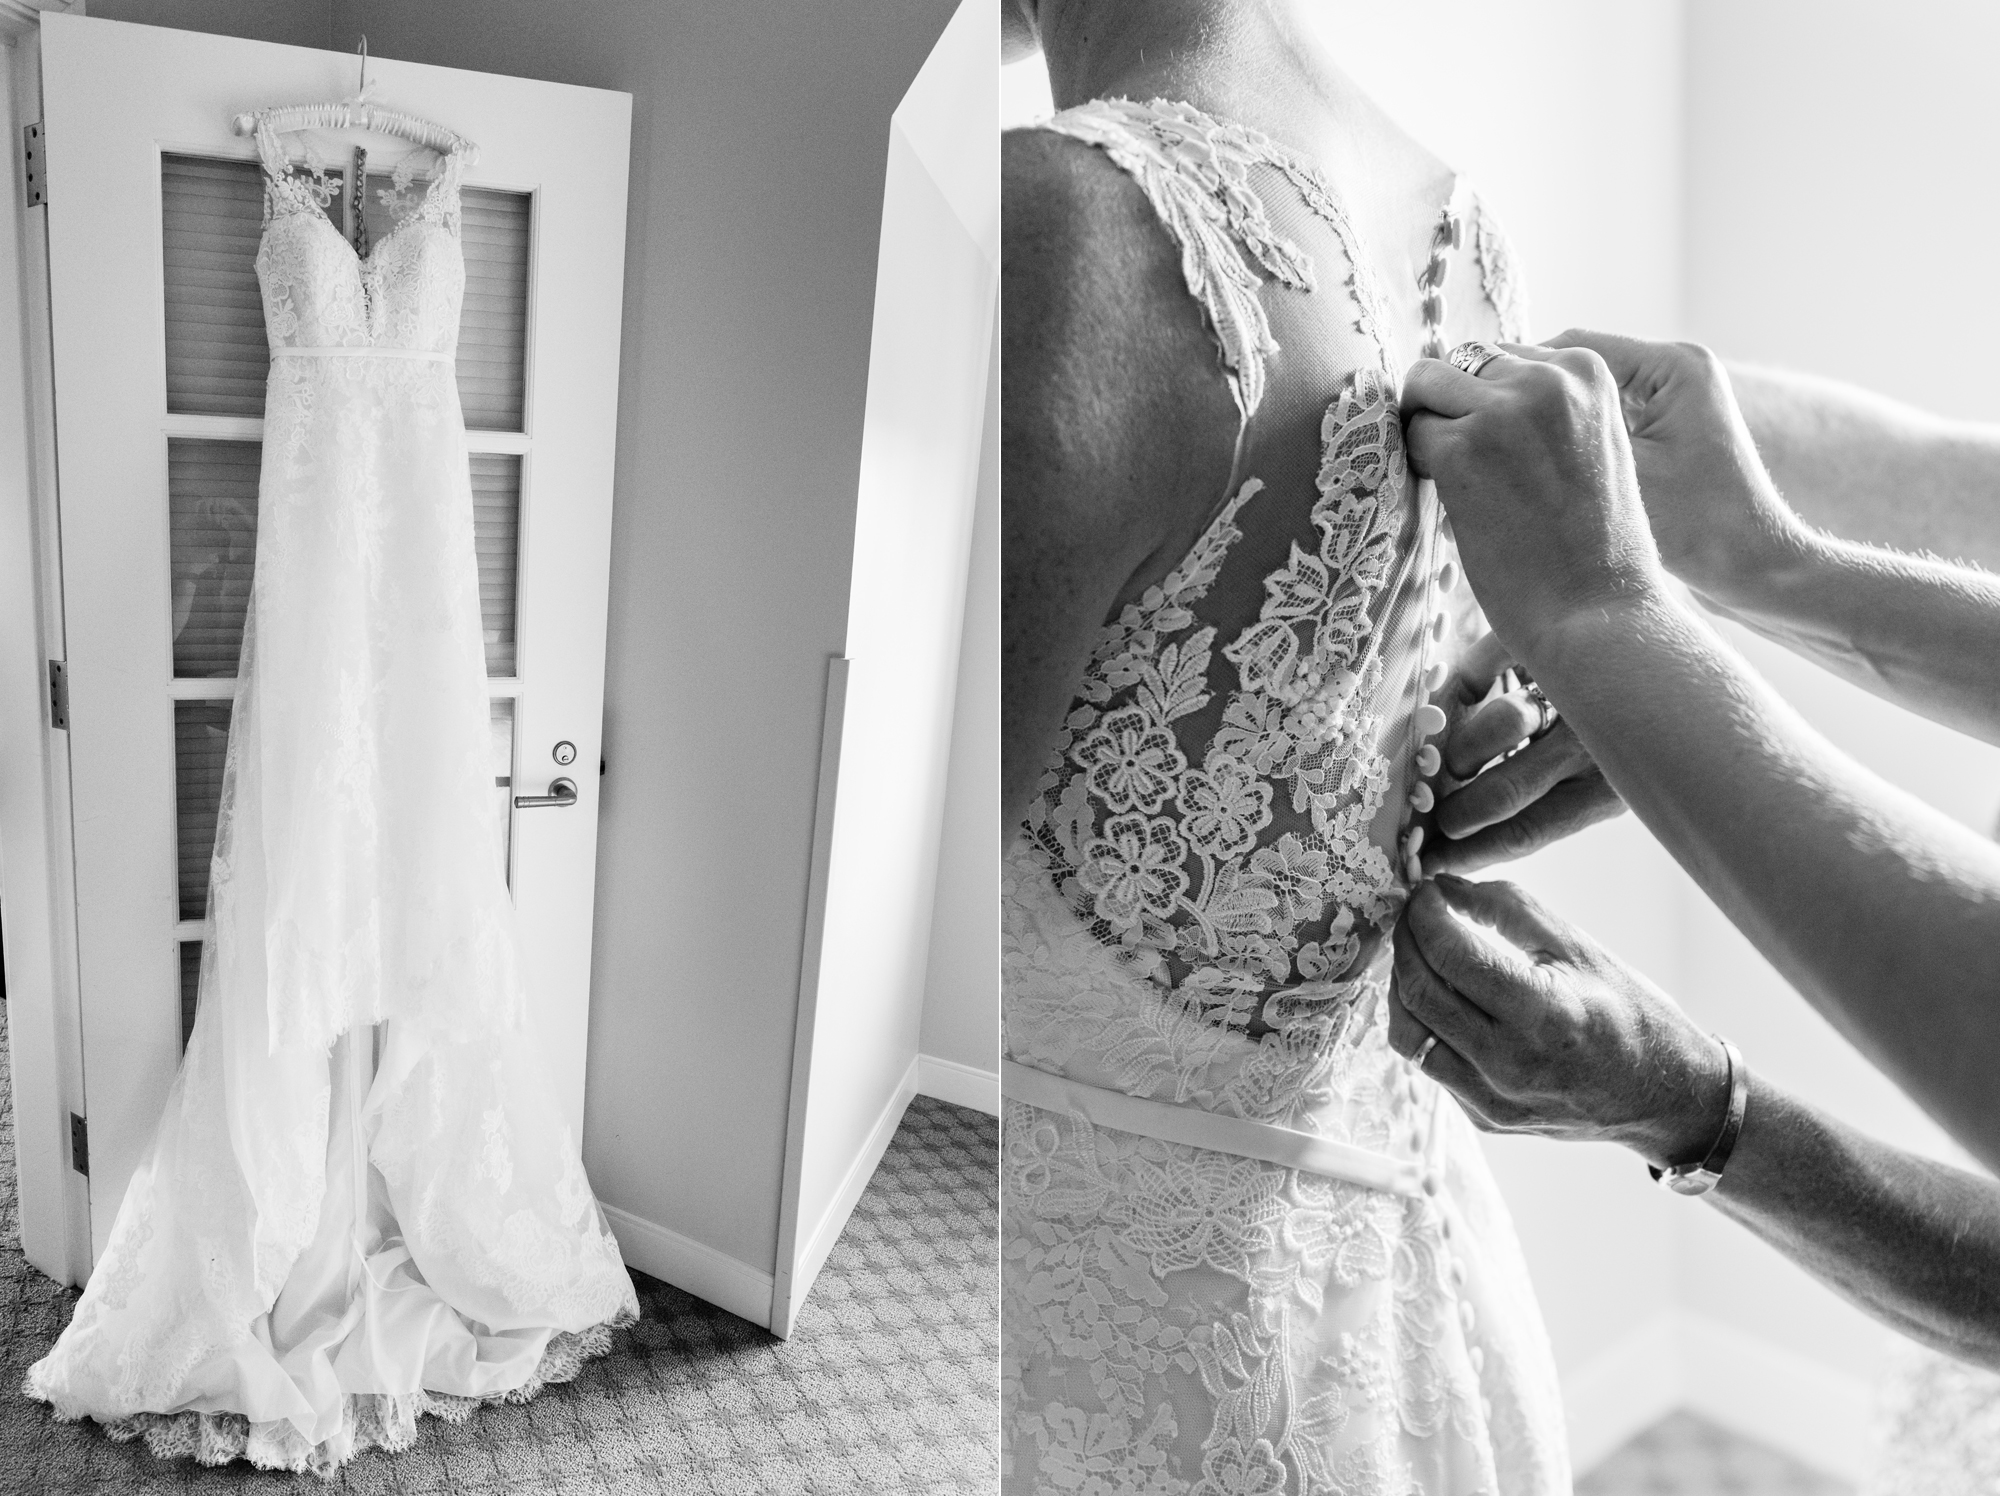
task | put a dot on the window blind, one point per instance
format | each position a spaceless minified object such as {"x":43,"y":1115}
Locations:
{"x":217,"y":352}
{"x":496,"y":533}
{"x":201,"y":741}
{"x":190,"y":986}
{"x":212,"y":546}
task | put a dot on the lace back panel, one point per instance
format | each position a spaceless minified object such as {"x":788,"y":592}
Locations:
{"x":1224,"y":802}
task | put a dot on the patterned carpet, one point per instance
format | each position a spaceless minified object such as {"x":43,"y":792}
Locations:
{"x":890,"y":1383}
{"x":1683,"y":1455}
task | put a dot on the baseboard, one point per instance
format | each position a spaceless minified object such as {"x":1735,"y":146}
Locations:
{"x":1820,"y":1417}
{"x":1680,"y":1359}
{"x":961,"y":1085}
{"x":692,"y":1266}
{"x":819,"y":1246}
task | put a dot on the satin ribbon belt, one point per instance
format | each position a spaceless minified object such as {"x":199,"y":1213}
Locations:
{"x":1199,"y":1129}
{"x":364,"y":352}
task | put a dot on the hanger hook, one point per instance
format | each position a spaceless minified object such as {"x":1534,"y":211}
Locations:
{"x":363,"y":50}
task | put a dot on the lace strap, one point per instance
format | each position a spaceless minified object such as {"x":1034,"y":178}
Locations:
{"x":1195,"y":172}
{"x":1498,"y":276}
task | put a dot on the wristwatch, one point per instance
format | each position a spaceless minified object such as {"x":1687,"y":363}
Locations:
{"x":1700,"y":1178}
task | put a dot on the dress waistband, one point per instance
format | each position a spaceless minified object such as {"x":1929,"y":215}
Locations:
{"x":365,"y":352}
{"x":1199,"y":1129}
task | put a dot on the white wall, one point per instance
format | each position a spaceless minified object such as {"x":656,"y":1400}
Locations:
{"x":929,"y":360}
{"x":960,"y":1039}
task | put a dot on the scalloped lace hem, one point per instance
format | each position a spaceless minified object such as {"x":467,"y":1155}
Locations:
{"x":370,"y":1420}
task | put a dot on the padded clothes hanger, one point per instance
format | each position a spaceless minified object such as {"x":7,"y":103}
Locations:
{"x":356,"y":113}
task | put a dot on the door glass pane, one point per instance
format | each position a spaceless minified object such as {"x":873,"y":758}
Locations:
{"x":212,"y":511}
{"x":503,"y":776}
{"x":190,"y":986}
{"x":496,"y":523}
{"x":217,"y":353}
{"x":201,"y":740}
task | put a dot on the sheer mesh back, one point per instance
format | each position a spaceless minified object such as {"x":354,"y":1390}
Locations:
{"x":1227,"y":801}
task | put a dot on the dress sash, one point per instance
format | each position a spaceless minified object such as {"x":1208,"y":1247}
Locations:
{"x":365,"y":350}
{"x":1265,"y":1141}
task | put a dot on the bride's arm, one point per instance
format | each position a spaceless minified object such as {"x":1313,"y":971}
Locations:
{"x":1884,"y":913}
{"x":1117,"y":426}
{"x":1550,"y":1034}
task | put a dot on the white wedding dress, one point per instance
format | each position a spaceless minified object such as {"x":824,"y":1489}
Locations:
{"x":361,"y":1203}
{"x":1194,"y":919}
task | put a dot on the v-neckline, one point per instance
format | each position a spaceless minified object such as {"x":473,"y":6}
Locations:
{"x":362,"y":262}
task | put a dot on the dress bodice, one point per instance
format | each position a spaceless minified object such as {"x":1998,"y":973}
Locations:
{"x":1228,"y":804}
{"x":405,"y":294}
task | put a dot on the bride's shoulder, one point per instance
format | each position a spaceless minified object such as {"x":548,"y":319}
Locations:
{"x":1093,"y":294}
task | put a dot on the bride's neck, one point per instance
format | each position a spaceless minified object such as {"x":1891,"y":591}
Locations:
{"x":1247,"y":60}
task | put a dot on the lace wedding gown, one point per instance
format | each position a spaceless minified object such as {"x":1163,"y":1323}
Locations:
{"x":362,"y":1202}
{"x":1194,"y":921}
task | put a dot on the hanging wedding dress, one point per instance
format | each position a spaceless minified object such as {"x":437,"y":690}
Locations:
{"x":362,"y":1202}
{"x":1248,"y":1249}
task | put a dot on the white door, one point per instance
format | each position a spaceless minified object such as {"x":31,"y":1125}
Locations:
{"x":159,"y":360}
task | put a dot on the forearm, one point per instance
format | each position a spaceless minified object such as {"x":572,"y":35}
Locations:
{"x":1917,"y":632}
{"x":1881,"y":911}
{"x":1914,"y":1242}
{"x":1869,"y":469}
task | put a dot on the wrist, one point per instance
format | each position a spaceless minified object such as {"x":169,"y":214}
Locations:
{"x":1579,"y":643}
{"x":1694,"y":1109}
{"x":1753,"y":573}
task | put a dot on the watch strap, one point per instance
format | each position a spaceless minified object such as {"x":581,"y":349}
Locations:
{"x":1699,"y":1178}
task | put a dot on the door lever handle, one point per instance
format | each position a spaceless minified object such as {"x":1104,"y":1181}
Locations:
{"x":561,"y":792}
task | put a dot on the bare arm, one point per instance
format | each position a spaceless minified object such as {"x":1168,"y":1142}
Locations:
{"x":1117,"y":425}
{"x":1918,"y":631}
{"x":1881,"y":911}
{"x":1543,"y":1031}
{"x":1914,"y":1242}
{"x":1870,"y":469}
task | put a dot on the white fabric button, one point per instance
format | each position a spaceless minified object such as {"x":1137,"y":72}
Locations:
{"x":1429,"y":760}
{"x":1467,"y":1316}
{"x":1431,"y":1183}
{"x":1421,"y":798}
{"x":1430,"y":720}
{"x":1439,"y":626}
{"x":1448,"y":576}
{"x":1414,"y":842}
{"x":1478,"y":1358}
{"x":1436,"y":675}
{"x":1413,"y":868}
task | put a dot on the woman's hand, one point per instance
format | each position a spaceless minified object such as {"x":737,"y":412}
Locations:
{"x":1715,"y":514}
{"x":1532,"y":464}
{"x":1509,"y":786}
{"x":1540,"y":1030}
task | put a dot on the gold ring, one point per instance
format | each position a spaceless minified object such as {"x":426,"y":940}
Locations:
{"x":1424,"y":1050}
{"x":1470,"y":358}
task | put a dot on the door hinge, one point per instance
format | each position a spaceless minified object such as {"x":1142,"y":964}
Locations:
{"x":79,"y":1145}
{"x":34,"y":164}
{"x":59,"y":695}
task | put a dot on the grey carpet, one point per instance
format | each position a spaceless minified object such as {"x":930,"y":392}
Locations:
{"x":889,"y":1384}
